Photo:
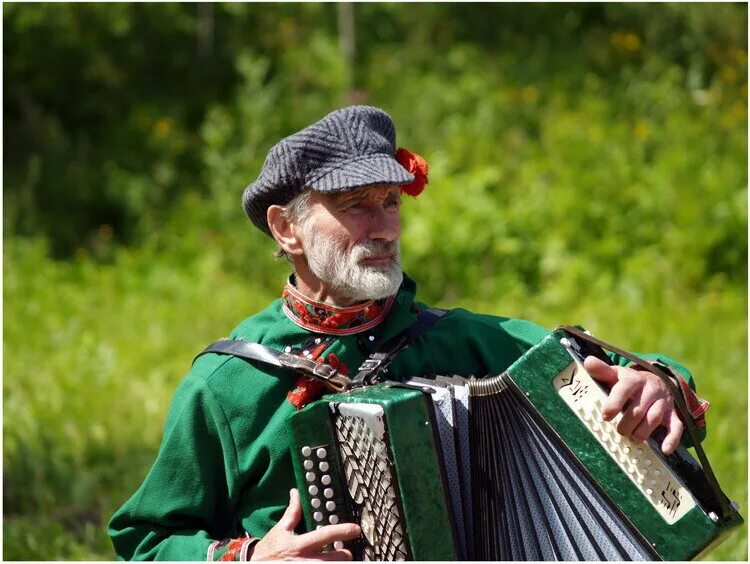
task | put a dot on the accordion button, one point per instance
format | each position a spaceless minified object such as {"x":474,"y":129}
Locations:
{"x":326,"y":479}
{"x":649,"y":491}
{"x":306,"y":451}
{"x":323,"y":466}
{"x":330,"y":506}
{"x":647,"y":462}
{"x":315,"y":502}
{"x":318,"y":516}
{"x":313,"y":490}
{"x":639,"y":451}
{"x":333,"y":519}
{"x":328,"y":493}
{"x":626,"y":450}
{"x":310,"y":477}
{"x":613,"y":448}
{"x":308,"y":464}
{"x":653,"y":482}
{"x":657,"y":472}
{"x":321,"y":452}
{"x":338,"y":545}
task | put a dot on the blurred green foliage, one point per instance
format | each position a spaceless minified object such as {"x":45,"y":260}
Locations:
{"x":588,"y":165}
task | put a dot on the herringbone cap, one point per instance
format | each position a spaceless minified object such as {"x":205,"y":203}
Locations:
{"x":350,"y":148}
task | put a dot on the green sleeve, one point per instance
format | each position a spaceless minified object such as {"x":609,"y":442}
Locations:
{"x":183,"y":504}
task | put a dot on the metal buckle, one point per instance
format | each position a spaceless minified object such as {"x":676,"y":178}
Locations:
{"x":370,"y":364}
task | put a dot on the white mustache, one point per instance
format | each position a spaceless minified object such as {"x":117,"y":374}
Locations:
{"x":369,"y":249}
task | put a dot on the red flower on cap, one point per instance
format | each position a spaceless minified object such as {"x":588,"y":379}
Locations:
{"x":416,"y":165}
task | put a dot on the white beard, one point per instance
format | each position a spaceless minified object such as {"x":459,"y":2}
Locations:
{"x":343,"y":272}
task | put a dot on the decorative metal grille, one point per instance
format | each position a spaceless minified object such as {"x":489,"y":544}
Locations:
{"x":370,"y":480}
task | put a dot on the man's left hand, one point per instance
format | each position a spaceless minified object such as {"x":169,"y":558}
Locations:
{"x":643,"y":399}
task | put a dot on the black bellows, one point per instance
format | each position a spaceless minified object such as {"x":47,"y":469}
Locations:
{"x":531,"y":499}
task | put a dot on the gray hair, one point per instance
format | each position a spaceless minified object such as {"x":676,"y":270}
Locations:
{"x":297,"y":211}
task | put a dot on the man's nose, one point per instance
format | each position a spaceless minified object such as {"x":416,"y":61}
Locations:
{"x":384,"y":225}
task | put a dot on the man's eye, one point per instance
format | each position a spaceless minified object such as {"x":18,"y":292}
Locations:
{"x":393,"y":203}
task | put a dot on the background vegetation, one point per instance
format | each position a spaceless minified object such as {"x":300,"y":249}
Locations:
{"x":588,"y":165}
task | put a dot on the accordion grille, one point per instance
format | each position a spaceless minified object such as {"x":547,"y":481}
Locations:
{"x":372,"y":487}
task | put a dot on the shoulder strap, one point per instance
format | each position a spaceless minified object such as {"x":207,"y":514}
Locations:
{"x":324,"y":372}
{"x":379,"y":360}
{"x":255,"y":351}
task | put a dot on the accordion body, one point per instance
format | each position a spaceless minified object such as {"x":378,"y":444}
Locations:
{"x":519,"y":466}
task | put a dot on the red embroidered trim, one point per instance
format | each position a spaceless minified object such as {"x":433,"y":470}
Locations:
{"x":230,"y":549}
{"x":331,"y":320}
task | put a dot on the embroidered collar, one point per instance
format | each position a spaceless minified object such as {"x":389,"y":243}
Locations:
{"x":331,"y":320}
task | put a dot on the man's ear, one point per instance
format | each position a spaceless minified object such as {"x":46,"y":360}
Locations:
{"x":284,"y":231}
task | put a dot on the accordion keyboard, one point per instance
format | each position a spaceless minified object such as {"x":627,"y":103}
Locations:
{"x":639,"y":462}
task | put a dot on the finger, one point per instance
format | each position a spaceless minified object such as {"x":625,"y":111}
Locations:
{"x":621,"y":393}
{"x":651,"y":421}
{"x":675,"y":429}
{"x":317,"y":539}
{"x":600,"y":370}
{"x":632,"y":416}
{"x":291,"y":517}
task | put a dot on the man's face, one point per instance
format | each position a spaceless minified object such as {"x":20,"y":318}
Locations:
{"x":350,"y":241}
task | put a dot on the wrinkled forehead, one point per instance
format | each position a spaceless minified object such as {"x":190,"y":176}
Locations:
{"x":374,"y":193}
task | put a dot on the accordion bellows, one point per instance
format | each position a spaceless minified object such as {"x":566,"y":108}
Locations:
{"x":513,"y":467}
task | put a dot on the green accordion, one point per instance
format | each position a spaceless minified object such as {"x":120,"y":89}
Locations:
{"x":515,"y":467}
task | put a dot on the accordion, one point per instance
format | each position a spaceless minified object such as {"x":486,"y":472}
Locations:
{"x":519,"y":466}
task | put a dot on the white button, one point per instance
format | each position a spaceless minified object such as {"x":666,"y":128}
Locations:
{"x":328,"y":493}
{"x":626,"y":450}
{"x":586,"y":416}
{"x":653,"y":482}
{"x":330,"y":506}
{"x":645,"y":471}
{"x":313,"y":490}
{"x":613,"y":448}
{"x":315,"y":502}
{"x":639,"y":451}
{"x":333,"y":519}
{"x":338,"y":545}
{"x":323,"y":466}
{"x":318,"y":527}
{"x":657,"y":472}
{"x":631,"y":469}
{"x":648,"y":462}
{"x":326,"y":479}
{"x":306,"y":451}
{"x":649,"y":491}
{"x":310,"y":477}
{"x":321,"y":452}
{"x":308,"y":464}
{"x":636,"y":461}
{"x":318,"y":516}
{"x":640,"y":479}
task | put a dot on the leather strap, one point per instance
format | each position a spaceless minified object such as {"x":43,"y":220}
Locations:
{"x":378,"y":361}
{"x":322,"y":372}
{"x":680,"y":404}
{"x":246,"y":350}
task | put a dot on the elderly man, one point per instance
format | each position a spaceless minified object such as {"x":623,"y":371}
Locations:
{"x":330,"y":197}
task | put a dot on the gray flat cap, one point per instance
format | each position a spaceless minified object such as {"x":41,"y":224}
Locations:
{"x":350,"y":148}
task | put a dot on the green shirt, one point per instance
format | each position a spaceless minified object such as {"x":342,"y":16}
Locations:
{"x":224,"y":465}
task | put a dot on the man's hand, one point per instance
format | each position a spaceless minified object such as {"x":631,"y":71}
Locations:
{"x":643,"y":399}
{"x":282,"y":544}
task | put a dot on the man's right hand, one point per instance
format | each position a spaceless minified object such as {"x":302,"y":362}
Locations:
{"x":282,"y":544}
